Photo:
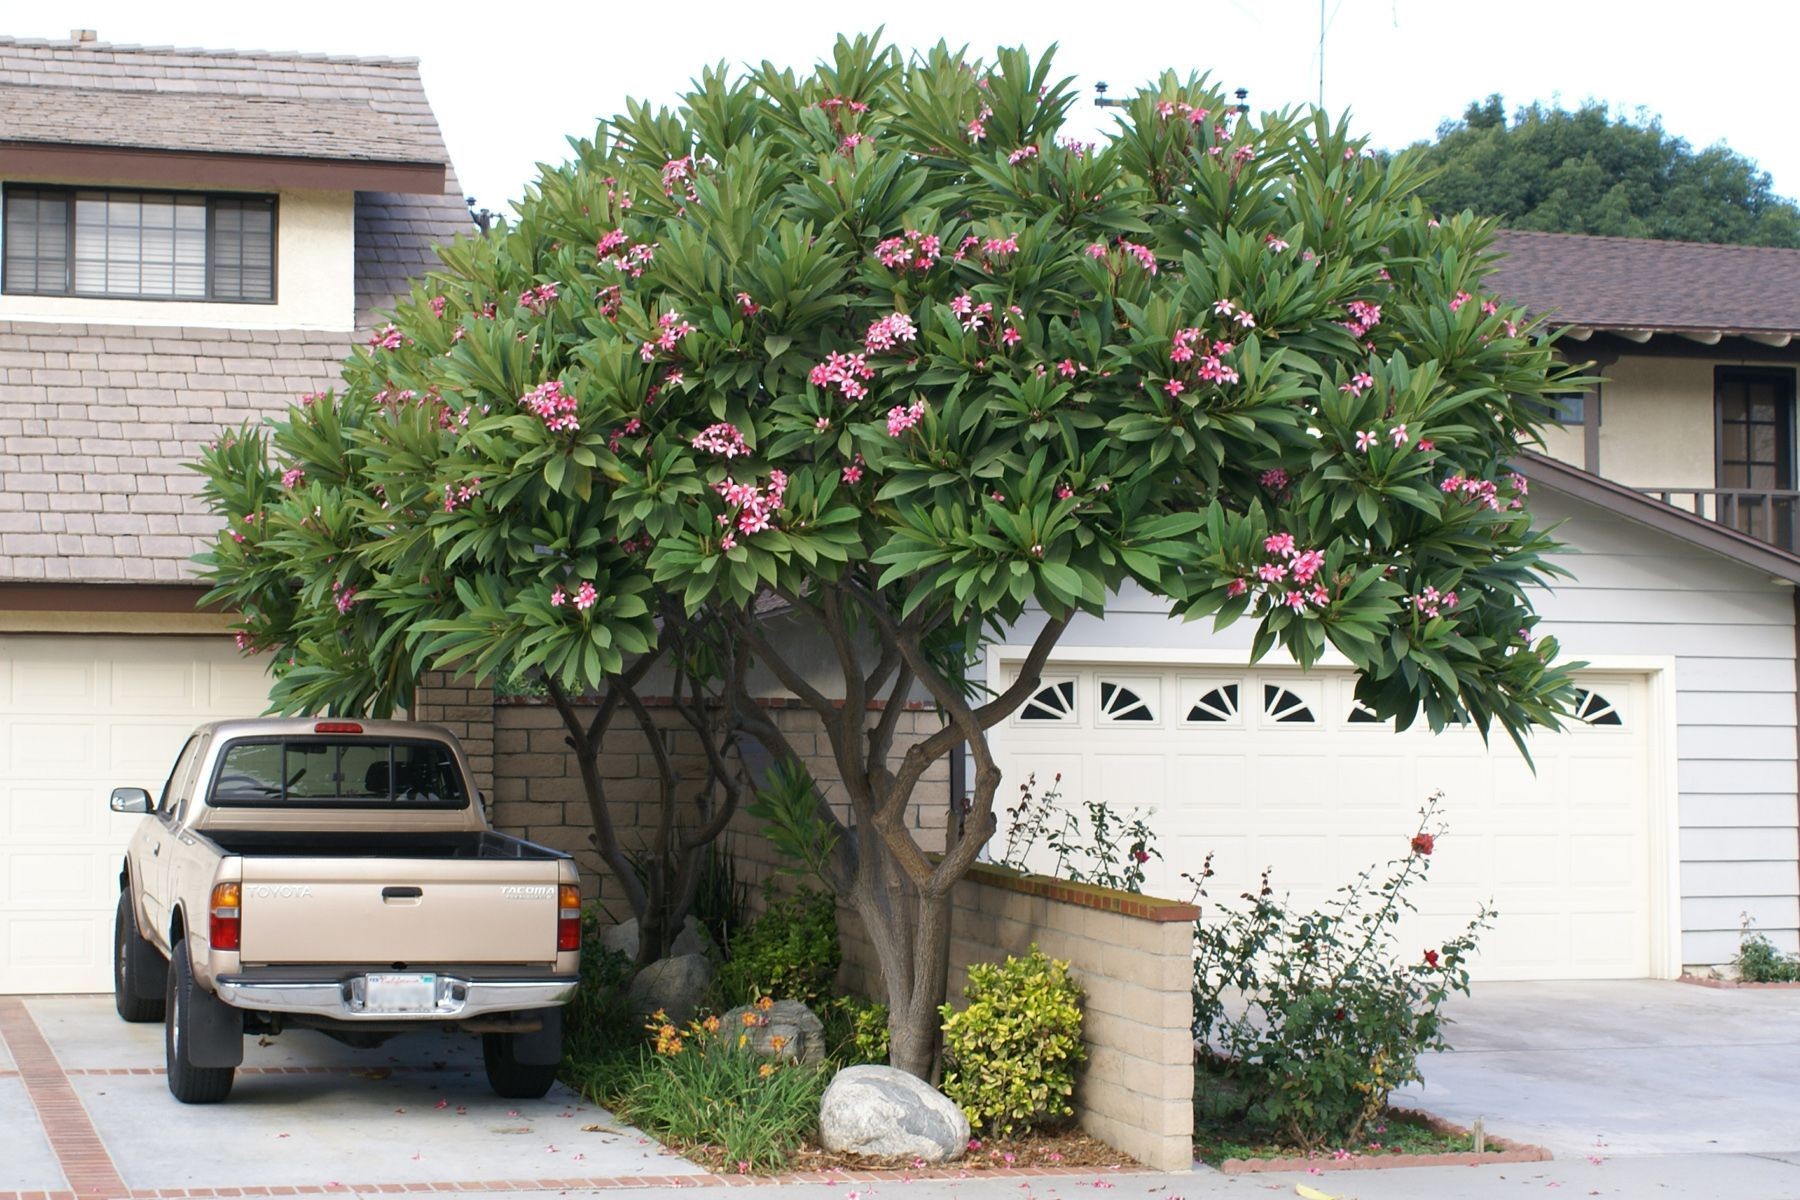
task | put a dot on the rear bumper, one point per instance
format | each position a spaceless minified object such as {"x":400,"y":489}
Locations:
{"x":341,"y":999}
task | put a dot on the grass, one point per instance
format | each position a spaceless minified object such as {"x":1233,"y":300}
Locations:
{"x":1217,"y":1140}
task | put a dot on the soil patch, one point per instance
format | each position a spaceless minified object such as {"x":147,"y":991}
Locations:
{"x":1405,"y":1138}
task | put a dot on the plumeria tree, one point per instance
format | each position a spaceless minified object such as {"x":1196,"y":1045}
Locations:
{"x":875,"y":346}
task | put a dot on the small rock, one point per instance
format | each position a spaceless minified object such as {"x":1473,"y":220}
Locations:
{"x":693,"y":939}
{"x":801,"y":1032}
{"x":675,"y":986}
{"x":883,"y":1111}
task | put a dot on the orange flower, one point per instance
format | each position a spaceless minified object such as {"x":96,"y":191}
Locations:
{"x":750,"y":1019}
{"x":776,"y":1042}
{"x":711,"y":1024}
{"x":766,"y":1070}
{"x":765,"y":1003}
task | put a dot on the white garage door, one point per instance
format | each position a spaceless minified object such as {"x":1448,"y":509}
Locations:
{"x":1279,"y":768}
{"x":79,"y":716}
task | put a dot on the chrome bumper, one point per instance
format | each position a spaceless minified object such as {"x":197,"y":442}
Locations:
{"x":342,"y":998}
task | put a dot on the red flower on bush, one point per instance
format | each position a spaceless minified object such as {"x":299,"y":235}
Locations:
{"x":1423,"y":843}
{"x":1431,"y":958}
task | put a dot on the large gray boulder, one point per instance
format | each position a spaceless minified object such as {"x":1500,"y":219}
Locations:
{"x":884,"y":1112}
{"x":675,"y":986}
{"x":693,"y":939}
{"x":801,"y":1032}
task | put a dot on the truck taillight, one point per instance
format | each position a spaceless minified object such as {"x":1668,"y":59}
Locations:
{"x":337,"y":727}
{"x":225,"y":920}
{"x":568,"y":917}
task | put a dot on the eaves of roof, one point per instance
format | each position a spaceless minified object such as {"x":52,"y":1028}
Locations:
{"x":1643,"y":510}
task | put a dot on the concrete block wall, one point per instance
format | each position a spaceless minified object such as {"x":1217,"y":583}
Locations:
{"x":466,"y":707}
{"x":1132,"y":956}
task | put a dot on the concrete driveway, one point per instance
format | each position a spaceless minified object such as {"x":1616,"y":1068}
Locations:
{"x":84,"y":1109}
{"x":1637,"y":1067}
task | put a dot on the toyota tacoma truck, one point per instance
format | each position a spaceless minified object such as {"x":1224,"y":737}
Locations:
{"x":337,"y":875}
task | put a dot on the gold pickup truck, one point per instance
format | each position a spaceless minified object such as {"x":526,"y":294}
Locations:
{"x":337,"y":875}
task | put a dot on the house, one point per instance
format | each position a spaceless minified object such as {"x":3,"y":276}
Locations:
{"x":190,"y":238}
{"x":1667,"y":813}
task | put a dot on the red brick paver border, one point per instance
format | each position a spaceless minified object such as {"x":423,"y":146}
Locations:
{"x":86,"y":1165}
{"x":598,"y":1182}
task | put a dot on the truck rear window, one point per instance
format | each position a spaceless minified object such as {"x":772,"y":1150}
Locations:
{"x":324,"y":772}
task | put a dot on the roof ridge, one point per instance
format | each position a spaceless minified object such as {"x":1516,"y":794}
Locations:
{"x":1505,"y":231}
{"x":281,"y":55}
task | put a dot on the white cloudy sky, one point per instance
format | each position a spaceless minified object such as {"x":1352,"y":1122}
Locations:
{"x":510,"y":80}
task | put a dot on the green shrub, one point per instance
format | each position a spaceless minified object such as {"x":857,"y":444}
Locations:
{"x":597,"y":1017}
{"x":856,"y":1031}
{"x":1758,"y":961}
{"x":1311,"y":1019}
{"x":791,"y":952}
{"x":706,"y":1094}
{"x":1010,"y":1055}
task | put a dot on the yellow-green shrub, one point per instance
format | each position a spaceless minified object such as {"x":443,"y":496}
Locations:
{"x":1010,"y":1055}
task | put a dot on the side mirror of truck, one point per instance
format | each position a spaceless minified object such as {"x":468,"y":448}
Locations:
{"x":130,"y":800}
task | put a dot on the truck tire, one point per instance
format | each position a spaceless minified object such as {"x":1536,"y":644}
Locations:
{"x":508,"y":1076}
{"x":139,"y":972}
{"x":188,"y":1083}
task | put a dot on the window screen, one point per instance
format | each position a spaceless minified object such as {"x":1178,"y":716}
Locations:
{"x":337,"y":773}
{"x":146,"y":245}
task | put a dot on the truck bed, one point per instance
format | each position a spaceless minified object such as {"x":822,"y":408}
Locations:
{"x":456,"y":845}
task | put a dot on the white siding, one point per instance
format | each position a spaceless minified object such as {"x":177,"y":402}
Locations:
{"x":1638,"y":593}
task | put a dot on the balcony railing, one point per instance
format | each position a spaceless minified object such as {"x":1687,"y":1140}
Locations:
{"x":1768,"y":516}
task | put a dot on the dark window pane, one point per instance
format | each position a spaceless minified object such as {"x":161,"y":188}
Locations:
{"x":36,"y":237}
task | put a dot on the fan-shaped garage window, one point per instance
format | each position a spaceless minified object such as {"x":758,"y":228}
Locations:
{"x":1362,"y":714}
{"x":1595,"y":709}
{"x":1285,"y":707}
{"x":1219,"y":706}
{"x":1120,"y":703}
{"x":1053,"y":702}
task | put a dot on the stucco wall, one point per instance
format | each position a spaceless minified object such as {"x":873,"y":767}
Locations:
{"x":1656,"y":423}
{"x":314,"y":280}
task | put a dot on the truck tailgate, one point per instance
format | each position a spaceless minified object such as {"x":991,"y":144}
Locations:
{"x":393,"y":910}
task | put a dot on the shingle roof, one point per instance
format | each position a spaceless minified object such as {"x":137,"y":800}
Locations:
{"x":1637,"y":284}
{"x":95,"y":93}
{"x":97,"y":422}
{"x":210,"y":123}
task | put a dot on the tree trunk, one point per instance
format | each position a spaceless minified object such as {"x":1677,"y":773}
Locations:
{"x":910,"y":931}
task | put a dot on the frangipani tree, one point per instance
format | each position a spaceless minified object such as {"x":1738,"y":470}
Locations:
{"x":878,"y":344}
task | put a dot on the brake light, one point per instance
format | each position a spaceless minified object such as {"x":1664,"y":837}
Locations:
{"x":337,"y":727}
{"x":225,"y":923}
{"x":568,"y":917}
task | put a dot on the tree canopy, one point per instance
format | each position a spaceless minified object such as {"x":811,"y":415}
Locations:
{"x":876,"y":342}
{"x":1594,"y":171}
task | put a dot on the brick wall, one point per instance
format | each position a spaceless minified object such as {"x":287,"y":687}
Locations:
{"x":466,"y":708}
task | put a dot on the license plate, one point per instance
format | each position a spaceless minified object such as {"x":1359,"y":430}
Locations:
{"x":399,"y":993}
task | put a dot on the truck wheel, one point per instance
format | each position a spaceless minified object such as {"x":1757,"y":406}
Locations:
{"x":138,"y":969}
{"x":508,"y":1076}
{"x":188,"y":1083}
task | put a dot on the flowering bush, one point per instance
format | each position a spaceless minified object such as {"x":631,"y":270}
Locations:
{"x":1110,"y":851}
{"x":877,"y":340}
{"x":1308,"y":1020}
{"x":1010,"y":1054}
{"x":1758,"y":961}
{"x":704,"y":1091}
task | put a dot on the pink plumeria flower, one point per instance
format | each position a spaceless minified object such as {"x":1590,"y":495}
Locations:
{"x":1398,"y":435}
{"x":585,"y":596}
{"x":1366,"y":438}
{"x":1224,"y":308}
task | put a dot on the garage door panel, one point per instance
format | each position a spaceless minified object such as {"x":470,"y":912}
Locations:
{"x":1562,"y":852}
{"x":82,"y":715}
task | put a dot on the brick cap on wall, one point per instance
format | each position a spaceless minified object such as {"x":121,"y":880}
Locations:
{"x":1086,"y":895}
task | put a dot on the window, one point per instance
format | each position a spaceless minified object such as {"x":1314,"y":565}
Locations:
{"x":1755,"y":415}
{"x":1284,"y":706}
{"x":1056,"y":702}
{"x":176,"y":787}
{"x":327,"y":773}
{"x":139,"y":245}
{"x":1121,"y":703}
{"x":1595,"y":709}
{"x":1218,"y":706}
